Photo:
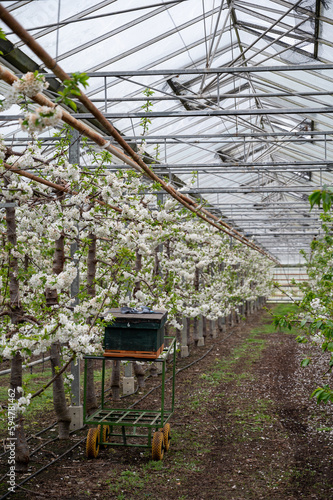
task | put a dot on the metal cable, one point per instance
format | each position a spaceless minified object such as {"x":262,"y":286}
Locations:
{"x":98,"y":16}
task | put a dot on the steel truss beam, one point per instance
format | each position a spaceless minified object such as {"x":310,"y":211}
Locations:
{"x":224,"y":170}
{"x":257,"y":164}
{"x":269,"y":222}
{"x":235,"y":135}
{"x":212,"y":97}
{"x":200,"y":112}
{"x":264,"y":205}
{"x":295,"y":233}
{"x":208,"y":71}
{"x":251,"y":189}
{"x":221,"y":135}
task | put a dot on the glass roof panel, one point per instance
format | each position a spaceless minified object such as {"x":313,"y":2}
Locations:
{"x":190,"y":34}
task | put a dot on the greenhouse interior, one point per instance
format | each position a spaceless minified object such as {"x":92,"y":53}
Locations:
{"x":167,"y":158}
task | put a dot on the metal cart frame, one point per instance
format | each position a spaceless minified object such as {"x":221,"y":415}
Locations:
{"x":127,"y":418}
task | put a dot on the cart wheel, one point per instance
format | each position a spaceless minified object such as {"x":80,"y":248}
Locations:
{"x":166,"y":436}
{"x":106,"y":434}
{"x":158,"y":446}
{"x":92,"y":446}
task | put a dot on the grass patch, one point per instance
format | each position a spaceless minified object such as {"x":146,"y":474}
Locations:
{"x":127,"y":482}
{"x":284,"y":309}
{"x":31,"y":382}
{"x":246,"y":353}
{"x":254,"y":418}
{"x":278,"y":310}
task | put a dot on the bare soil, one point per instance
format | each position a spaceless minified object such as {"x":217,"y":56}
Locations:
{"x":244,"y":428}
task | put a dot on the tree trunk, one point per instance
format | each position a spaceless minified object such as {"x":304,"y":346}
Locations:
{"x":91,"y":400}
{"x":16,"y":379}
{"x":204,"y":326}
{"x":115,"y":380}
{"x":59,"y":395}
{"x":139,"y":373}
{"x":195,"y":320}
{"x":188,"y":329}
{"x":153,"y":370}
{"x":22,"y":456}
{"x":21,"y":448}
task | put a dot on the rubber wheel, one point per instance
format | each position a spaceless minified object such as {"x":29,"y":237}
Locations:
{"x":158,"y":446}
{"x":166,"y":436}
{"x":92,"y":446}
{"x":106,"y":434}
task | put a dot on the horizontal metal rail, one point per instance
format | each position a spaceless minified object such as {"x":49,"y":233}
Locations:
{"x":205,"y":71}
{"x":210,"y":97}
{"x":240,"y":135}
{"x":254,"y":163}
{"x":33,"y":363}
{"x":282,"y":235}
{"x":250,"y":189}
{"x":200,"y":112}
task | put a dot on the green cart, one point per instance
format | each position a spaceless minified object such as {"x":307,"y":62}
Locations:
{"x":129,"y":426}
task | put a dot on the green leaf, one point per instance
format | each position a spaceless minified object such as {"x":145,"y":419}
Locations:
{"x":305,"y":362}
{"x":317,"y":324}
{"x":327,"y":201}
{"x":323,"y":394}
{"x":315,"y":198}
{"x":301,"y":339}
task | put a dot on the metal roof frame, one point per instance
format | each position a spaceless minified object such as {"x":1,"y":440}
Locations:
{"x":252,"y":112}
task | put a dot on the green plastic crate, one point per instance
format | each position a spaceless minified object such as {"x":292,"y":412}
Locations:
{"x":135,"y":335}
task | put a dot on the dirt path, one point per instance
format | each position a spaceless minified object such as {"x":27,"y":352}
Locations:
{"x":244,"y":428}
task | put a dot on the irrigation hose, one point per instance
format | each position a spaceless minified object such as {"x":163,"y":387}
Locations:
{"x":33,"y":436}
{"x":44,"y":467}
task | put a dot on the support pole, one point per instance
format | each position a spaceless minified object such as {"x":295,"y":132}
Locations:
{"x":200,"y":326}
{"x":128,"y":380}
{"x":76,"y":409}
{"x":184,"y":347}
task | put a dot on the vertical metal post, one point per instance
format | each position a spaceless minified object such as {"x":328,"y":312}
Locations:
{"x":75,"y":368}
{"x":128,"y":379}
{"x":103,"y":383}
{"x":84,"y":389}
{"x":128,"y":370}
{"x":74,"y":157}
{"x":105,"y":95}
{"x":325,"y":147}
{"x":159,"y":198}
{"x":173,"y":375}
{"x":218,"y":89}
{"x":163,"y":388}
{"x":184,"y":339}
